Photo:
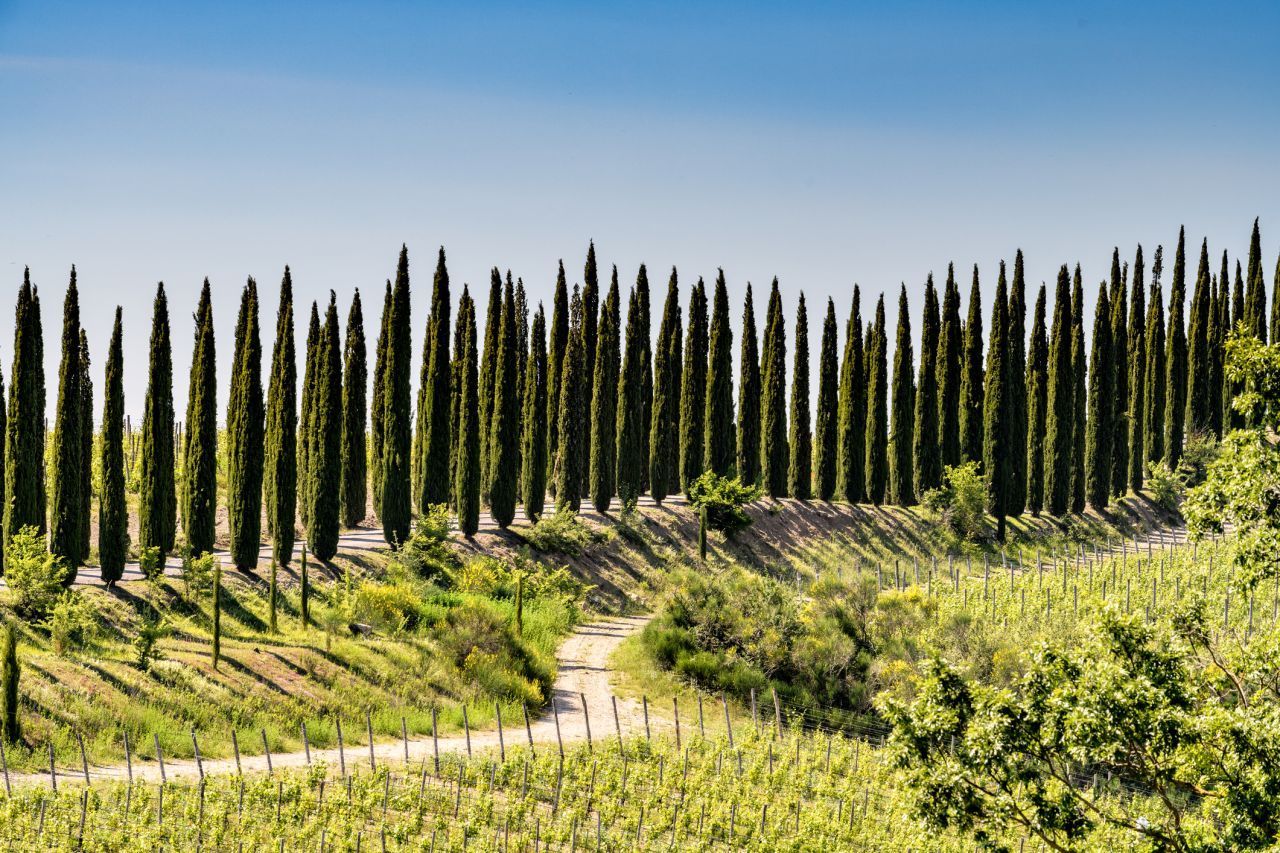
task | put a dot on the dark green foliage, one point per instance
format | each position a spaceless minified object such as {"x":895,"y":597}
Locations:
{"x":720,"y":502}
{"x":971,"y":381}
{"x":304,"y":592}
{"x":217,"y":608}
{"x":1199,"y":417}
{"x":504,"y":428}
{"x":10,"y":673}
{"x":590,"y":333}
{"x":86,"y":448}
{"x":902,"y":427}
{"x":3,"y":431}
{"x":200,"y":454}
{"x":272,"y":595}
{"x":113,"y":511}
{"x":631,"y":427}
{"x":646,"y":383}
{"x":534,"y":439}
{"x":826,"y":440}
{"x":1016,"y":381}
{"x":157,"y":492}
{"x":573,"y":429}
{"x":665,"y":423}
{"x":522,"y":357}
{"x":1037,"y":407}
{"x":488,"y":367}
{"x":377,"y":401}
{"x":800,"y":441}
{"x":997,"y":455}
{"x":878,"y":409}
{"x":693,"y":389}
{"x":436,"y":482}
{"x":396,"y":496}
{"x":65,"y":503}
{"x":1120,"y":380}
{"x":325,"y":478}
{"x":1101,"y":406}
{"x":355,"y":386}
{"x":1255,"y":309}
{"x":1059,"y":418}
{"x":1154,"y":397}
{"x":851,"y":479}
{"x":305,"y":437}
{"x":1220,"y":391}
{"x":245,"y":436}
{"x":720,"y":441}
{"x":280,"y":477}
{"x":749,"y":396}
{"x":927,"y":451}
{"x":950,"y":359}
{"x":1137,"y":365}
{"x":604,"y":403}
{"x":1176,"y":360}
{"x":1275,"y":304}
{"x":557,"y":343}
{"x":774,"y":452}
{"x":1079,"y":366}
{"x":467,"y":474}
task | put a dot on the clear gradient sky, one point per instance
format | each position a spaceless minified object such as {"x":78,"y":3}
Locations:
{"x":822,"y":143}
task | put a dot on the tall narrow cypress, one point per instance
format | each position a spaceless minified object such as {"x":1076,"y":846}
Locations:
{"x":665,"y":423}
{"x":878,"y":409}
{"x":355,"y":386}
{"x":4,"y":427}
{"x":749,"y":396}
{"x":1101,"y":389}
{"x":455,"y":398}
{"x":1120,"y":380}
{"x":1060,"y":421}
{"x":113,"y":512}
{"x":927,"y":450}
{"x":1037,"y":385}
{"x":950,"y":357}
{"x":646,"y":373}
{"x":280,"y":477}
{"x":774,"y":453}
{"x":522,"y":352}
{"x":436,"y":481}
{"x":488,"y":369}
{"x":377,"y":407}
{"x":573,"y":431}
{"x":852,"y":478}
{"x":1256,"y":296}
{"x":997,"y":455}
{"x":590,"y":334}
{"x":534,"y":438}
{"x":396,"y":494}
{"x":902,"y":429}
{"x":1239,"y":307}
{"x":1137,"y":362}
{"x":245,"y":436}
{"x":467,"y":477}
{"x":1220,"y":392}
{"x":200,"y":468}
{"x":305,"y":438}
{"x":326,"y":448}
{"x":1198,"y":409}
{"x":720,"y":440}
{"x":604,"y":403}
{"x":157,"y":491}
{"x":1176,"y":360}
{"x":557,"y":343}
{"x":1016,"y":382}
{"x":1079,"y":365}
{"x":827,"y":417}
{"x":630,"y":414}
{"x":86,"y":449}
{"x":504,"y":428}
{"x":64,"y":485}
{"x":971,"y":381}
{"x":1154,"y":398}
{"x":693,"y":389}
{"x":1275,"y":304}
{"x":800,"y":441}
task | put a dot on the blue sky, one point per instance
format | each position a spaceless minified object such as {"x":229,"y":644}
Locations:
{"x":822,"y":143}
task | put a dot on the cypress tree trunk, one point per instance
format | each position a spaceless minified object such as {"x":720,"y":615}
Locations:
{"x":1037,"y":407}
{"x":878,"y":405}
{"x":1101,"y":390}
{"x":10,"y":673}
{"x":1079,"y":405}
{"x":1255,"y":314}
{"x":998,"y":456}
{"x":631,"y":425}
{"x":467,"y":481}
{"x":558,"y":342}
{"x":396,"y":495}
{"x":280,"y":477}
{"x":720,"y":441}
{"x":800,"y":442}
{"x":590,"y":334}
{"x":64,"y":489}
{"x":200,"y":467}
{"x":157,"y":492}
{"x":826,"y":443}
{"x":748,"y":451}
{"x":663,"y":448}
{"x":504,"y":428}
{"x":354,"y":405}
{"x":1199,"y":418}
{"x":1176,"y":361}
{"x":1137,"y":373}
{"x":305,"y":438}
{"x":774,"y":452}
{"x":572,"y":430}
{"x":604,"y":403}
{"x":377,"y":400}
{"x":971,"y":380}
{"x":326,"y":447}
{"x":1060,"y":419}
{"x":536,"y":418}
{"x":646,"y":373}
{"x":950,"y":358}
{"x":927,"y":451}
{"x":852,"y":477}
{"x":245,"y":436}
{"x":1015,"y":382}
{"x":693,"y":389}
{"x":113,"y":512}
{"x":436,"y":484}
{"x":902,"y":428}
{"x":1154,"y":398}
{"x":86,"y":449}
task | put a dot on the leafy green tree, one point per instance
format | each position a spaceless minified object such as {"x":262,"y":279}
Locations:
{"x":852,"y":478}
{"x":1255,"y":313}
{"x":927,"y":450}
{"x":604,"y":402}
{"x":573,"y":432}
{"x":305,"y":438}
{"x":1154,"y":399}
{"x":504,"y":428}
{"x":1176,"y":360}
{"x":1059,"y":416}
{"x":536,"y":417}
{"x":749,"y":396}
{"x":902,"y":428}
{"x":1079,"y":366}
{"x":396,"y":495}
{"x":693,"y":389}
{"x":113,"y":511}
{"x":1037,"y":407}
{"x":377,"y":400}
{"x":1199,"y":417}
{"x":1015,"y":378}
{"x":664,"y":427}
{"x":950,"y":360}
{"x":1137,"y":365}
{"x":774,"y":452}
{"x":720,"y":441}
{"x":280,"y":477}
{"x":65,"y":503}
{"x":1101,"y":393}
{"x":878,"y":405}
{"x":200,"y":467}
{"x":971,"y":379}
{"x":467,"y":479}
{"x":630,"y":414}
{"x":325,"y":480}
{"x":558,"y":342}
{"x":825,"y":446}
{"x":245,"y":436}
{"x":997,"y":455}
{"x":157,"y":492}
{"x":354,"y":407}
{"x":800,"y":441}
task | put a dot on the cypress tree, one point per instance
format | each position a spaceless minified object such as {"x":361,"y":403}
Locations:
{"x":1220,"y":392}
{"x":1037,"y":385}
{"x":693,"y":389}
{"x":557,"y":343}
{"x":113,"y":512}
{"x":590,"y":334}
{"x":971,"y":381}
{"x":1099,"y":429}
{"x":504,"y":428}
{"x":467,"y":479}
{"x":826,"y":443}
{"x":64,"y":489}
{"x":217,"y":609}
{"x":157,"y":492}
{"x":902,"y":429}
{"x":10,"y":673}
{"x":534,"y":439}
{"x":377,"y":407}
{"x":1120,"y":379}
{"x":354,"y":406}
{"x":280,"y":477}
{"x":878,"y":405}
{"x":245,"y":436}
{"x":1079,"y":366}
{"x":305,"y":437}
{"x":646,"y":373}
{"x":604,"y":403}
{"x":1198,"y":370}
{"x":24,"y":428}
{"x":522,"y":350}
{"x":1154,"y":398}
{"x":1015,"y":381}
{"x":720,"y":441}
{"x":800,"y":442}
{"x":950,"y":358}
{"x":774,"y":452}
{"x":1060,"y":420}
{"x":455,"y":402}
{"x":852,"y":478}
{"x":1176,"y":360}
{"x":997,"y":455}
{"x":1239,"y":306}
{"x":437,"y":483}
{"x":396,"y":495}
{"x":664,"y":427}
{"x":1255,"y":313}
{"x":927,"y":450}
{"x":1275,"y":303}
{"x":200,"y":467}
{"x":749,"y":396}
{"x":573,"y":432}
{"x":630,"y":414}
{"x":326,"y":444}
{"x":86,"y":448}
{"x":488,"y":369}
{"x":1137,"y":373}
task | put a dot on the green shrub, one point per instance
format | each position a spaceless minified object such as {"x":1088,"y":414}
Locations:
{"x":146,"y":644}
{"x":392,"y":608}
{"x":427,"y":554}
{"x":151,"y":563}
{"x":435,"y":523}
{"x":197,"y":574}
{"x":723,"y":498}
{"x":34,"y":576}
{"x":477,"y":639}
{"x":561,"y":533}
{"x":71,"y":622}
{"x":497,"y":578}
{"x":1166,"y":486}
{"x":960,"y":502}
